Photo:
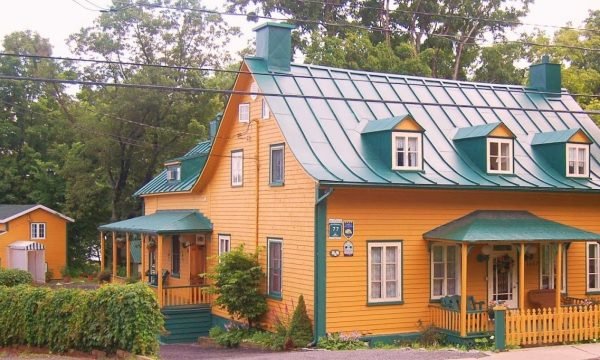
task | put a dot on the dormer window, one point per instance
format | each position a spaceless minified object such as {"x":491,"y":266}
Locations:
{"x":174,"y":172}
{"x":406,"y":151}
{"x":499,"y":156}
{"x":578,"y":158}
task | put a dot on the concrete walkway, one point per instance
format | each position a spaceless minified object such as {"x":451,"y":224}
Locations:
{"x":562,"y":352}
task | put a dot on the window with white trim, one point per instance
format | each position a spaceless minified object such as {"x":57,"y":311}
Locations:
{"x":174,"y":172}
{"x":38,"y":231}
{"x":237,"y":167}
{"x":499,"y":156}
{"x":384,"y":271}
{"x":444,"y":270}
{"x":407,"y":151}
{"x":224,"y":244}
{"x":265,"y":109}
{"x":593,"y":266}
{"x":277,"y":165}
{"x":244,"y":113}
{"x":175,"y":256}
{"x":578,"y":158}
{"x":548,"y":267}
{"x":274,"y":266}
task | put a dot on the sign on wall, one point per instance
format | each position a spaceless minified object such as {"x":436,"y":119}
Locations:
{"x":335,"y":228}
{"x":349,"y":229}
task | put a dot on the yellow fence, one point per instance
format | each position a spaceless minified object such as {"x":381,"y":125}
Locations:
{"x":477,"y":321}
{"x":185,"y":295}
{"x":546,"y":326}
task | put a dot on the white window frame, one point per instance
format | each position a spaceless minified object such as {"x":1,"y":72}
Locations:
{"x":576,"y":148}
{"x":500,"y":141}
{"x":244,"y":113}
{"x":596,"y":259}
{"x":406,"y":135}
{"x":266,"y":113}
{"x":35,"y":231}
{"x":224,"y":243}
{"x":237,"y":167}
{"x":551,"y":268}
{"x":269,"y":291}
{"x":271,"y":149}
{"x":384,"y":245}
{"x":174,"y":172}
{"x":445,"y":249}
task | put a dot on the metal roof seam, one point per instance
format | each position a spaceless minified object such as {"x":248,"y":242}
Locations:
{"x":425,"y":162}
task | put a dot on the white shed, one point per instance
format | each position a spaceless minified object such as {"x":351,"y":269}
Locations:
{"x":29,"y":256}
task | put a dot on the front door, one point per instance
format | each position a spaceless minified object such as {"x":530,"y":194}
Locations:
{"x":502,"y":278}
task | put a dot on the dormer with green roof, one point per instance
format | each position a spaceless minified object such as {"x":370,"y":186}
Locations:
{"x":567,"y":151}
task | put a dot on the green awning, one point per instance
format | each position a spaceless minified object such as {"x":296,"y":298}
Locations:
{"x":507,"y":226}
{"x":163,"y":222}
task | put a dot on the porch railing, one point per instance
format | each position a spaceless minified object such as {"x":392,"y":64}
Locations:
{"x":185,"y":295}
{"x":547,"y":326}
{"x":478,"y":321}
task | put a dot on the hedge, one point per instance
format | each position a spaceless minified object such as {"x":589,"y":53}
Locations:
{"x":114,"y":317}
{"x":14,"y":277}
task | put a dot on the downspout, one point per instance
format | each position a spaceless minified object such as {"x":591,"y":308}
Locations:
{"x":257,"y":196}
{"x":320,"y":263}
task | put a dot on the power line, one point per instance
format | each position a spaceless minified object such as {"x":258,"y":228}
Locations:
{"x":297,"y":76}
{"x":312,"y":97}
{"x":349,"y":25}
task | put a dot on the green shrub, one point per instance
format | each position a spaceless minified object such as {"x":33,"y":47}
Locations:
{"x":113,"y":317}
{"x":300,"y":328}
{"x":231,"y":337}
{"x":237,"y":280}
{"x":341,"y":341}
{"x":14,"y":277}
{"x":49,"y":275}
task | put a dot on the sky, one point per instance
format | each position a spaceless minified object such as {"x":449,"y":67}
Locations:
{"x":57,"y":19}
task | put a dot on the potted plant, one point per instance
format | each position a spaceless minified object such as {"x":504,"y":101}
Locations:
{"x":151,"y":245}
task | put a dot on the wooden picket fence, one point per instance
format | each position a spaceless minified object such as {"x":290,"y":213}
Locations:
{"x":548,"y":326}
{"x":477,"y":321}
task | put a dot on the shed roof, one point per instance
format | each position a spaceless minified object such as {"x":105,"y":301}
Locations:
{"x":163,"y":222}
{"x":323,"y":110}
{"x":160,"y":184}
{"x":507,"y":226}
{"x":10,"y":212}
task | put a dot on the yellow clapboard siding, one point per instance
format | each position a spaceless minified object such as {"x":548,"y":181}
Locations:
{"x":395,"y":214}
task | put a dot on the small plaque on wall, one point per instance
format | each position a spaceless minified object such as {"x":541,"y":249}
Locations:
{"x":335,"y":228}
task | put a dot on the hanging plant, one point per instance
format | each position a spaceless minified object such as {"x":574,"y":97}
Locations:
{"x":151,"y":244}
{"x":504,"y":263}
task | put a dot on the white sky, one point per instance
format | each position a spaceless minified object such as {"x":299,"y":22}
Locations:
{"x":57,"y":19}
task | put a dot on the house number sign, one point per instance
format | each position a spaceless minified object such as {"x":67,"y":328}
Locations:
{"x":335,"y":228}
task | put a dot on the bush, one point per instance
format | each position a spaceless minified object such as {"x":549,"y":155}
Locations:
{"x":125,"y":317}
{"x":49,"y":275}
{"x":231,"y":337}
{"x":104,"y":276}
{"x":14,"y":277}
{"x":300,"y":328}
{"x":339,"y":341}
{"x":237,"y":279}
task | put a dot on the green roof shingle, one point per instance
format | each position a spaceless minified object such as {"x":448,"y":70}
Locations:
{"x":163,"y":222}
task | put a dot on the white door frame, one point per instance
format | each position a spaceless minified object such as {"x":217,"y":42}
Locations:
{"x":514,"y":302}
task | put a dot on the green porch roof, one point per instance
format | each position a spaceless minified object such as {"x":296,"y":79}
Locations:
{"x":507,"y":226}
{"x":163,"y":222}
{"x":191,"y":167}
{"x":322,"y":111}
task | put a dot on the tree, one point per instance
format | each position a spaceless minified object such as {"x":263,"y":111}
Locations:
{"x":237,"y":278}
{"x":496,"y":64}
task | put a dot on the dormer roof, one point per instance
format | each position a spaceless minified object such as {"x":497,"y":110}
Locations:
{"x":575,"y":135}
{"x":497,"y":129}
{"x":403,"y":122}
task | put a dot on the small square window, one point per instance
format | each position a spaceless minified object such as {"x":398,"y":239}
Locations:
{"x":173,"y":173}
{"x":237,"y":167}
{"x":277,"y":166}
{"x":244,"y":113}
{"x":265,"y":109}
{"x":578,"y":159}
{"x":407,"y":151}
{"x":224,"y":244}
{"x":499,"y":156}
{"x":38,"y":231}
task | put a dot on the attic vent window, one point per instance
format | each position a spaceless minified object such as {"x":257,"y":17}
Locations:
{"x":244,"y":113}
{"x":499,"y":156}
{"x":407,"y":151}
{"x":173,"y":172}
{"x":578,"y":157}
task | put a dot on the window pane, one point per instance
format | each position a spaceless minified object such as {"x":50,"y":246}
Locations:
{"x":390,"y":255}
{"x":452,"y":254}
{"x":493,"y":148}
{"x":438,"y":253}
{"x":376,"y":255}
{"x":400,"y":144}
{"x":451,"y":270}
{"x":42,"y":231}
{"x":451,"y":286}
{"x":504,"y":164}
{"x":391,"y":289}
{"x":376,"y":272}
{"x":504,"y":149}
{"x":412,"y":144}
{"x":277,"y":165}
{"x":592,"y":281}
{"x":390,"y":272}
{"x":438,"y":287}
{"x":494,"y":160}
{"x":438,"y":270}
{"x":376,"y":290}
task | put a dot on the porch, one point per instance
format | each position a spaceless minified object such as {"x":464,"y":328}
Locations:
{"x":173,"y":254}
{"x":522,"y":298}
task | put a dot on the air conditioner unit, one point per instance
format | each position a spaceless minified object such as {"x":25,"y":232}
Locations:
{"x":200,"y":239}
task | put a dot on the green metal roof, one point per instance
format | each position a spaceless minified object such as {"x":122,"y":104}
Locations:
{"x":384,"y":124}
{"x":553,"y":137}
{"x":475,"y":131}
{"x":191,"y":166}
{"x":495,"y":225}
{"x":163,"y":222}
{"x":324,"y":134}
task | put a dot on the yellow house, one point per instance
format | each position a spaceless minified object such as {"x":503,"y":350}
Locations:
{"x":34,"y":238}
{"x":391,"y":202}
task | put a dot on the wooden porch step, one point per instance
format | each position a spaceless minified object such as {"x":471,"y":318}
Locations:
{"x":184,"y":324}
